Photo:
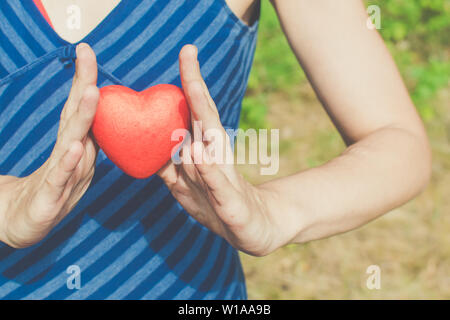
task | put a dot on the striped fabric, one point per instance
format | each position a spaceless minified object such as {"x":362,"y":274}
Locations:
{"x":129,"y":237}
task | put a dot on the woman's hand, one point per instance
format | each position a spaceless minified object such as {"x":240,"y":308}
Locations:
{"x":33,"y":205}
{"x":213,"y":192}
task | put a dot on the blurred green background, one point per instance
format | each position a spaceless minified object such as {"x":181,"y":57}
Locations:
{"x":411,"y":244}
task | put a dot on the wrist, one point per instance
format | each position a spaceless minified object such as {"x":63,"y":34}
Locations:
{"x":285,"y":223}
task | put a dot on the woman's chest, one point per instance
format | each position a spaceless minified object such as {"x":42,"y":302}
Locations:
{"x":73,"y":20}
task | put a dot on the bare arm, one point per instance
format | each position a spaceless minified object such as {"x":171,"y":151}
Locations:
{"x":386,"y":164}
{"x":388,"y":159}
{"x":31,"y":206}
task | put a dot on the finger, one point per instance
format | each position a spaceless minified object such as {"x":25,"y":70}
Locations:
{"x":200,"y":102}
{"x":190,"y":171}
{"x":85,"y":76}
{"x":168,"y":173}
{"x":200,"y":109}
{"x":91,"y":148}
{"x":79,"y":124}
{"x":226,"y":199}
{"x":216,"y":181}
{"x":59,"y":175}
{"x":190,"y":68}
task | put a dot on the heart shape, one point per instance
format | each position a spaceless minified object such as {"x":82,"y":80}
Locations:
{"x":134,"y":129}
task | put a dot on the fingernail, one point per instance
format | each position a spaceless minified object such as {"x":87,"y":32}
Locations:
{"x":79,"y":47}
{"x":194,"y":48}
{"x":196,"y":52}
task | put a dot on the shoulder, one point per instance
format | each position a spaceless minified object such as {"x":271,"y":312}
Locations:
{"x":246,"y":10}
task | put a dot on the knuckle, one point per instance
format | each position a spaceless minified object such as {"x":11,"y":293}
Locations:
{"x":91,"y":173}
{"x":58,"y":149}
{"x":42,"y":212}
{"x":63,"y":115}
{"x":16,"y":241}
{"x":48,"y":182}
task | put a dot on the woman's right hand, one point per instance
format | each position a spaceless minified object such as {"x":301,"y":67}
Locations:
{"x":31,"y":206}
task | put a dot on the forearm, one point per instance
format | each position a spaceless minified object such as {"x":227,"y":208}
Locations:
{"x":376,"y":174}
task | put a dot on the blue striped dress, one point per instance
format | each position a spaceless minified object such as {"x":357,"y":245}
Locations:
{"x":129,"y":238}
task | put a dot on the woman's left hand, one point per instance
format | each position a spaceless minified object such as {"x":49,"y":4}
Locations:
{"x":214,"y":192}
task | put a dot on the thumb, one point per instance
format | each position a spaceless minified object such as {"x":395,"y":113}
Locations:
{"x":197,"y":95}
{"x":85,"y":76}
{"x":85,"y":66}
{"x":169,"y":174}
{"x":58,"y":176}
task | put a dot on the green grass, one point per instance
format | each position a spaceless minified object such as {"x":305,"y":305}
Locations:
{"x":410,"y":244}
{"x":417,"y":33}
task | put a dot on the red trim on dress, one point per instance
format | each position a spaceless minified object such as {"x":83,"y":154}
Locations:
{"x":41,"y":8}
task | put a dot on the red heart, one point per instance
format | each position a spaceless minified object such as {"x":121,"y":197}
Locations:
{"x":134,"y":129}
